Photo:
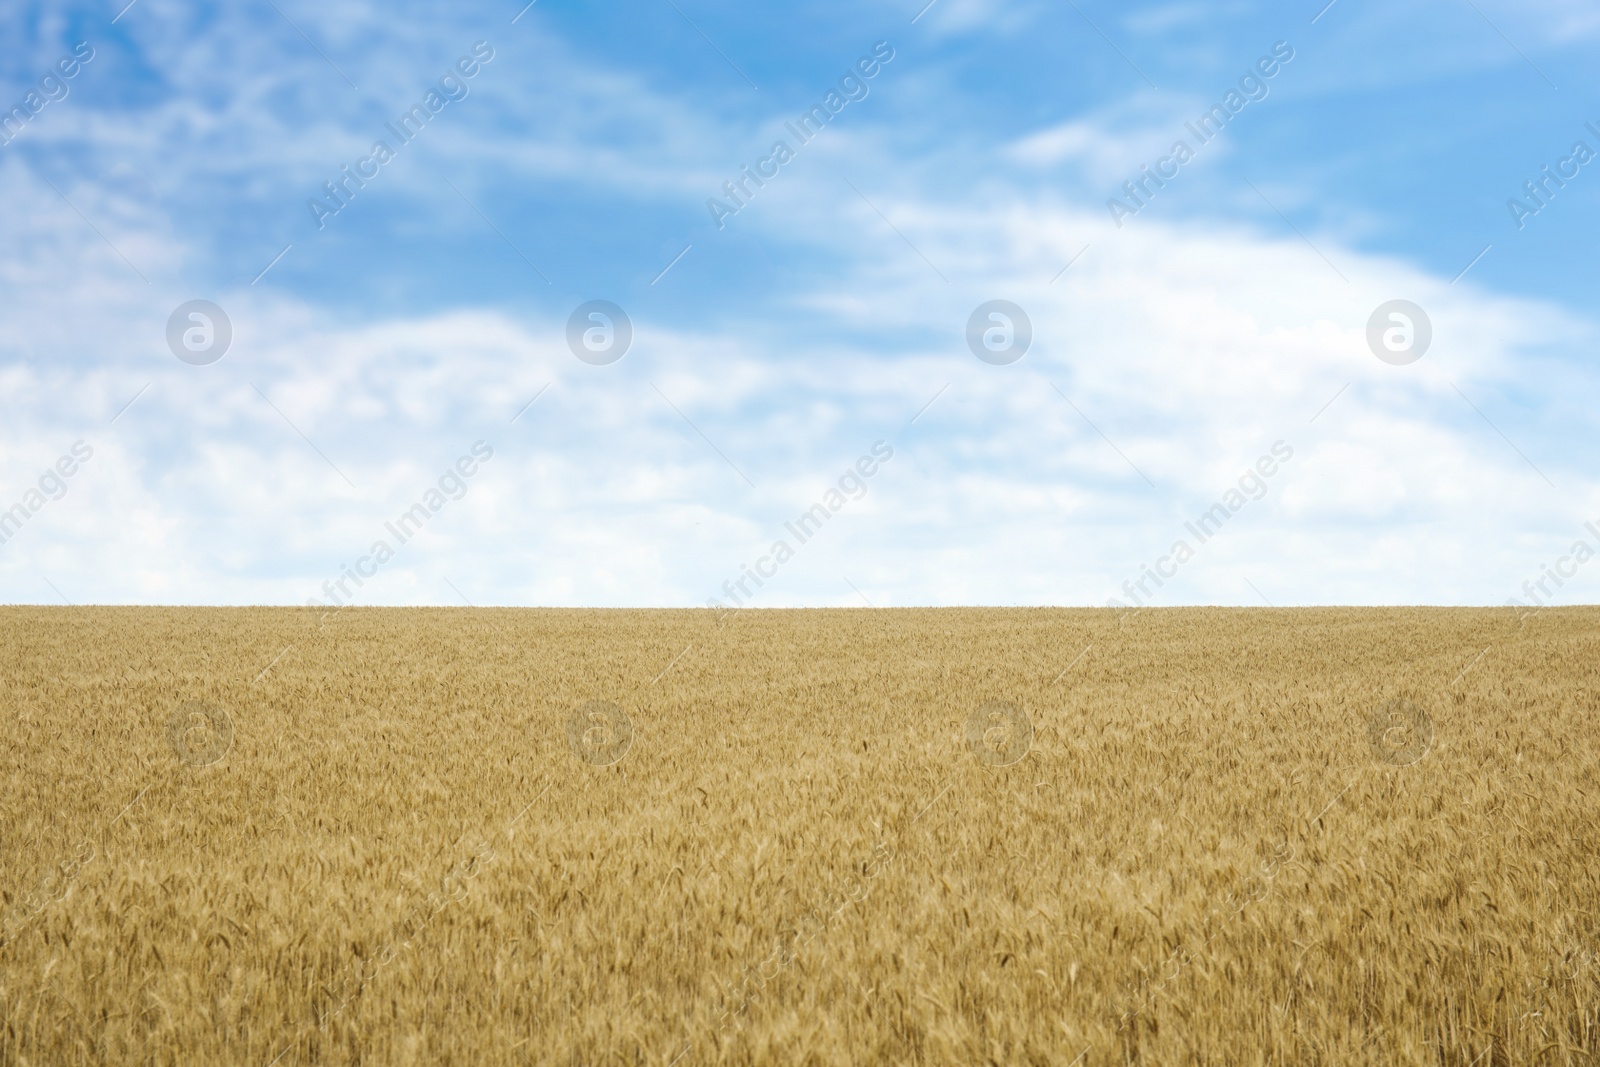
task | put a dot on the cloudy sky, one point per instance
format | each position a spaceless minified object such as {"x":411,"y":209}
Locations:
{"x":1179,"y":335}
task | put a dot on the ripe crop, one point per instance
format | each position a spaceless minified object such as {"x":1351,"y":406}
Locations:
{"x":1321,"y":836}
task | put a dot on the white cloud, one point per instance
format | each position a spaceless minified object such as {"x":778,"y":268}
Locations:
{"x":1110,"y":145}
{"x":1165,"y":17}
{"x":1192,"y":350}
{"x":950,"y":17}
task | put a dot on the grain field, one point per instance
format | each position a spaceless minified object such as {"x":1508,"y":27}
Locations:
{"x":1208,"y":836}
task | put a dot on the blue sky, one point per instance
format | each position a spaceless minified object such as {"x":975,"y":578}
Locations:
{"x":1227,"y":314}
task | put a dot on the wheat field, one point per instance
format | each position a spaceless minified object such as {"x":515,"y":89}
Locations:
{"x":1052,"y":836}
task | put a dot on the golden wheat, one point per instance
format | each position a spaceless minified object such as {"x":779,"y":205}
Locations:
{"x":800,"y":837}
